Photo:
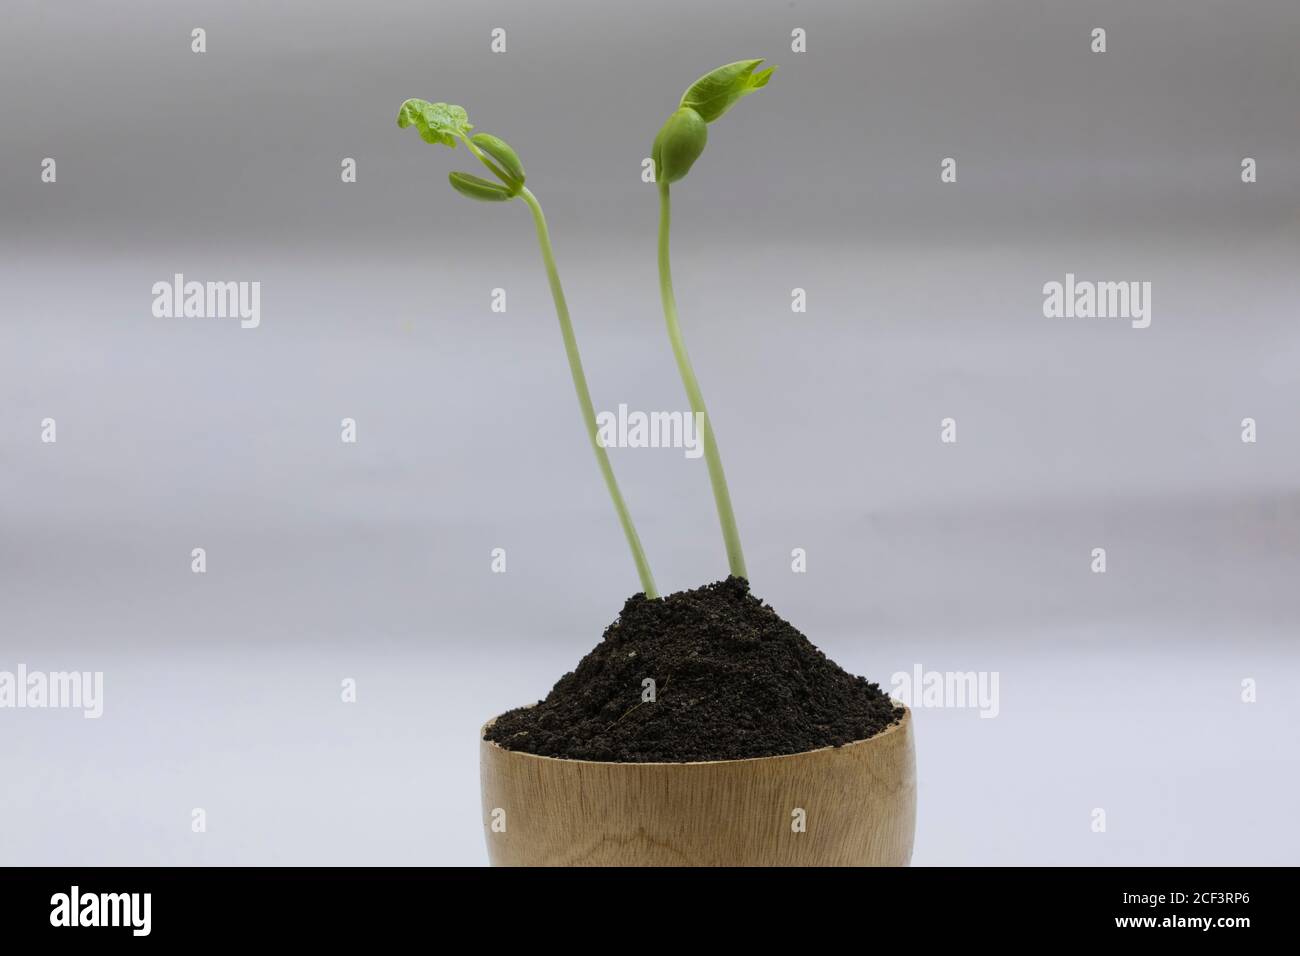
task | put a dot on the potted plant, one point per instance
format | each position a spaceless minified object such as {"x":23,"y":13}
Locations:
{"x":703,"y":729}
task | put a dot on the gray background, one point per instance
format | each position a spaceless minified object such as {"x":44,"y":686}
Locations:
{"x":371,"y":561}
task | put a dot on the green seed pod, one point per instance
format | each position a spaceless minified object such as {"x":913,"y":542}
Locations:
{"x":500,"y":150}
{"x":679,"y":144}
{"x":476,"y":188}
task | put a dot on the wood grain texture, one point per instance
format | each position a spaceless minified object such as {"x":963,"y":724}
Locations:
{"x":859,"y":801}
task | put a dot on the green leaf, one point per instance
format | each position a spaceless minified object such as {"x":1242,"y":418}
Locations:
{"x":437,"y":122}
{"x":500,"y":150}
{"x":714,"y":93}
{"x":476,"y":188}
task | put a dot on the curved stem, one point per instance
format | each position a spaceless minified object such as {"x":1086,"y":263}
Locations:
{"x":726,"y":517}
{"x":584,"y":396}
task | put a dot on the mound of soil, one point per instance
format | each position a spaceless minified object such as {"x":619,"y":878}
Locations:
{"x":732,"y":679}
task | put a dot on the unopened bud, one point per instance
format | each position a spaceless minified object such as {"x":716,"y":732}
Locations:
{"x":476,"y":188}
{"x":679,"y":144}
{"x":500,"y":150}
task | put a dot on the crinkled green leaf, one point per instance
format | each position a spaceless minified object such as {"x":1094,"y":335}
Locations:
{"x":437,"y":122}
{"x":714,"y":93}
{"x":476,"y":188}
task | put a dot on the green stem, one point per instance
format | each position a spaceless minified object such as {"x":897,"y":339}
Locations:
{"x":726,"y":517}
{"x":584,"y":396}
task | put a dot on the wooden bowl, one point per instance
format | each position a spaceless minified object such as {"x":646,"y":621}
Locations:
{"x":858,"y":803}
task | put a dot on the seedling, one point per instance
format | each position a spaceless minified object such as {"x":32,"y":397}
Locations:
{"x":678,"y":145}
{"x":443,"y":124}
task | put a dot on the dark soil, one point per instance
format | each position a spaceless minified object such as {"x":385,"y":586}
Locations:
{"x":732,"y":680}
